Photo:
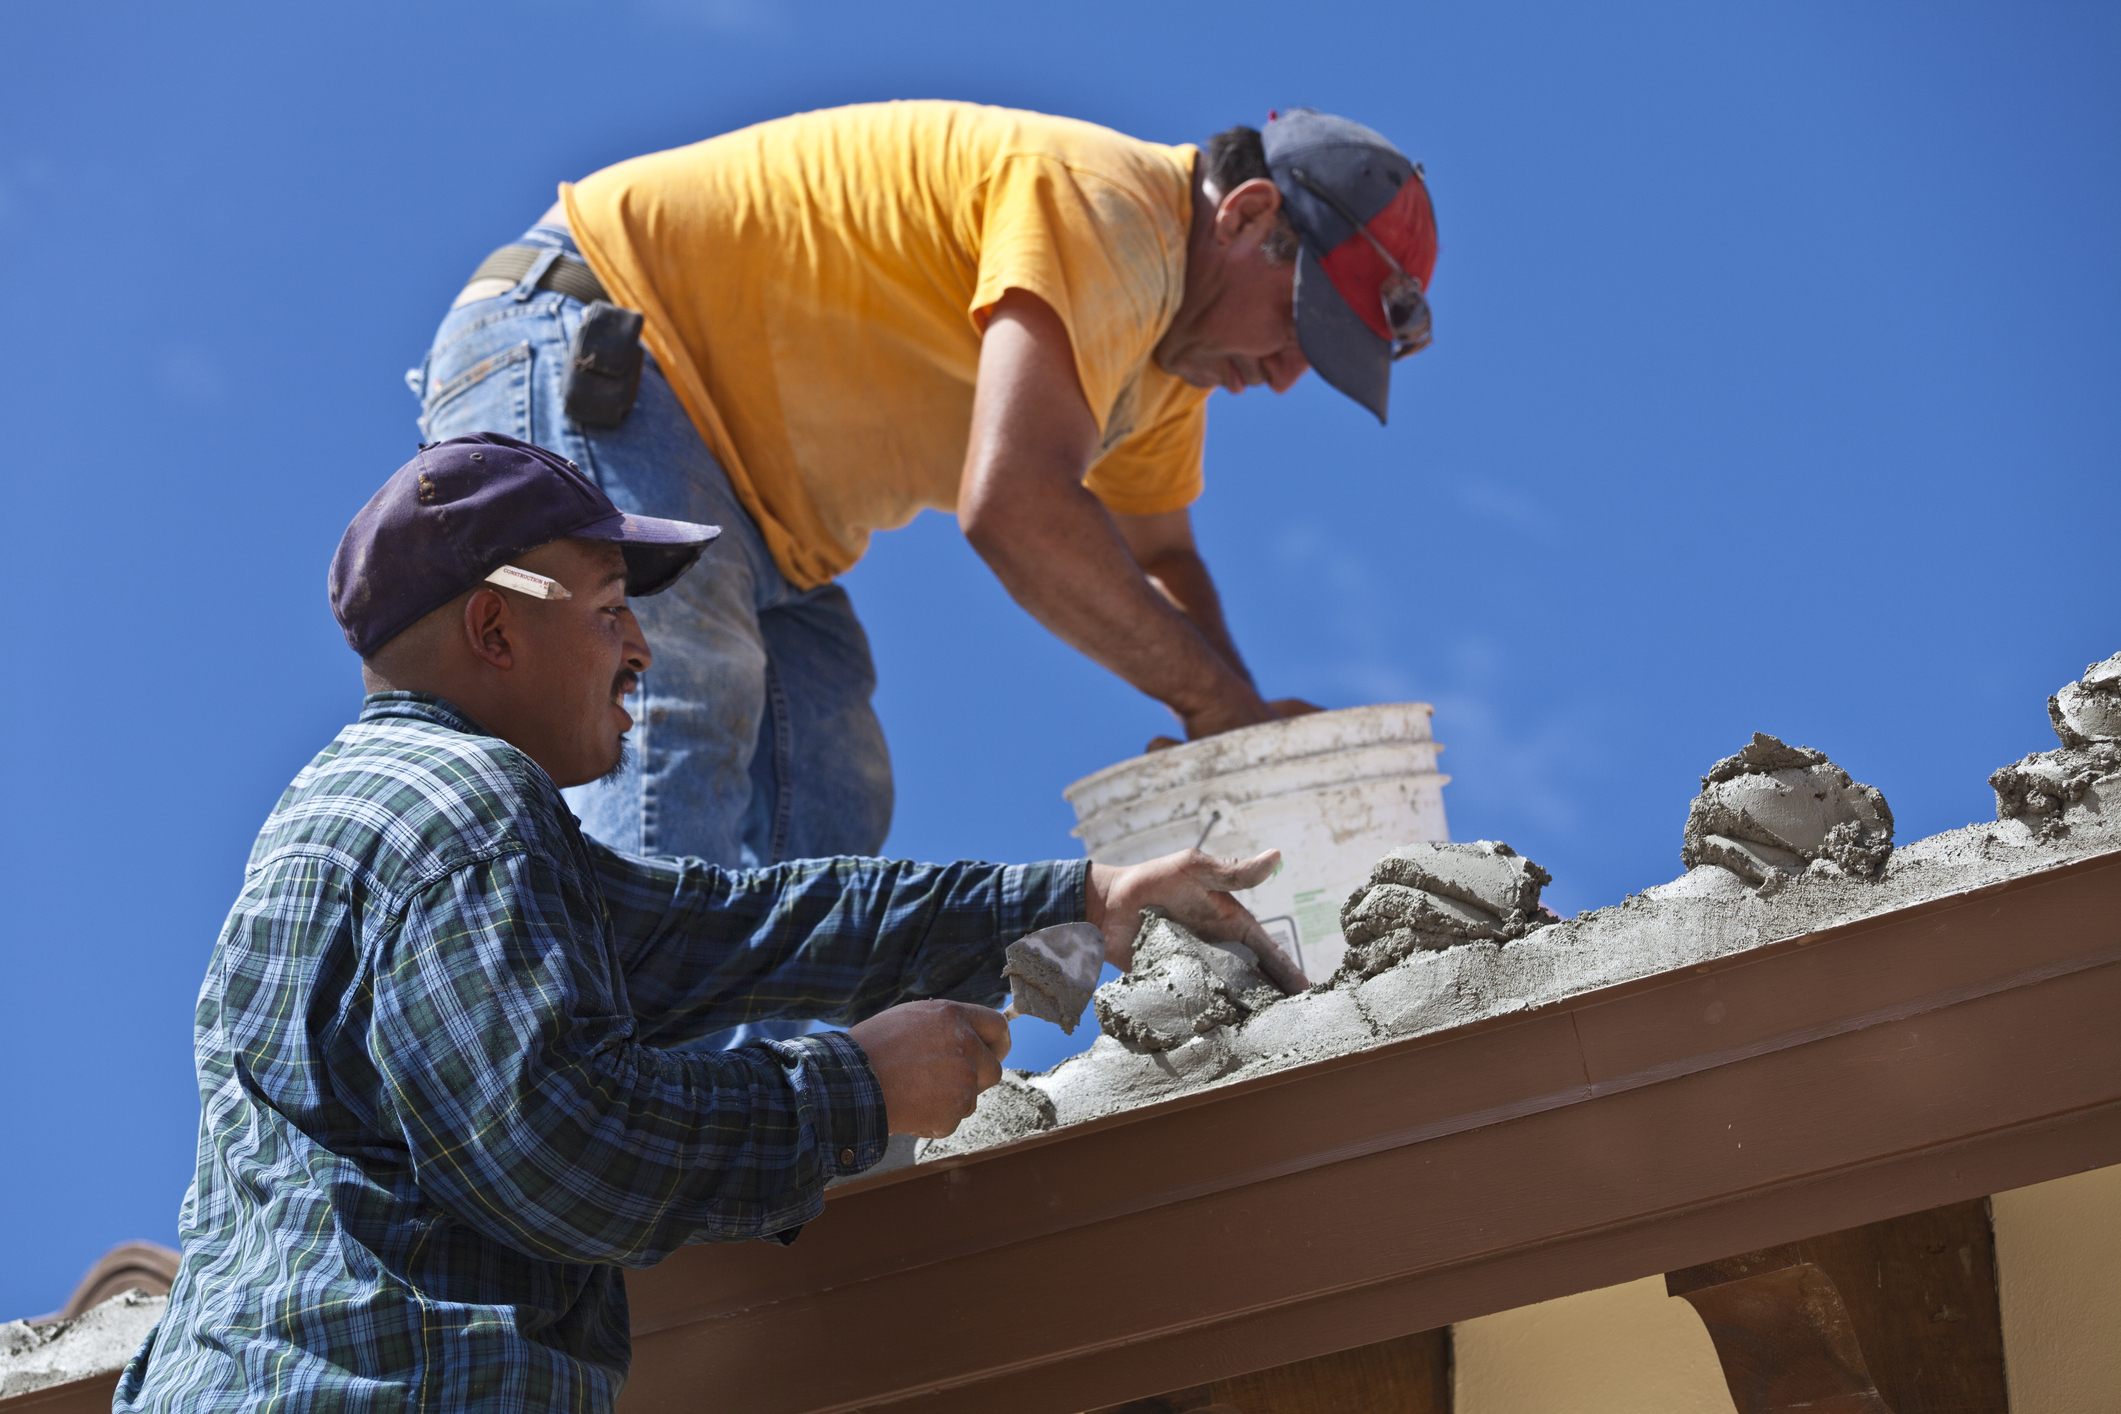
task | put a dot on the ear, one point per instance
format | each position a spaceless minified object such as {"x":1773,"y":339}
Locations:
{"x":488,"y":621}
{"x":1249,"y":210}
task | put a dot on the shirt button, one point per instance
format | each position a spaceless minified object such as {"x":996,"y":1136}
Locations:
{"x":847,"y":1158}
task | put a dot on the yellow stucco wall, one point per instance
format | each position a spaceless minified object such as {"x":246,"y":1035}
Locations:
{"x":2058,"y":1265}
{"x":1624,"y":1350}
{"x":1633,"y":1350}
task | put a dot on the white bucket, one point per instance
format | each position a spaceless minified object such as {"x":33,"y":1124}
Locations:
{"x":1332,"y":791}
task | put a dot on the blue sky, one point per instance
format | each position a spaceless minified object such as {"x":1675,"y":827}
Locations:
{"x":1776,"y":386}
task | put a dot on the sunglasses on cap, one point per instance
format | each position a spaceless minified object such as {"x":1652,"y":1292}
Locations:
{"x":1406,"y":309}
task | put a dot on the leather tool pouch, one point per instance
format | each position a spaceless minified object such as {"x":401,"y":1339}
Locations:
{"x":604,"y":366}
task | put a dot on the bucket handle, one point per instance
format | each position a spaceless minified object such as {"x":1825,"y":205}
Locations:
{"x":1219,"y":812}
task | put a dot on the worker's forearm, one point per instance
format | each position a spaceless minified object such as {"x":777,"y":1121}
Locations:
{"x":1060,"y":558}
{"x":705,"y":948}
{"x":1182,"y":576}
{"x":1053,"y":545}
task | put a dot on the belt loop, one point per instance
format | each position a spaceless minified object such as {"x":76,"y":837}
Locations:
{"x":528,"y":285}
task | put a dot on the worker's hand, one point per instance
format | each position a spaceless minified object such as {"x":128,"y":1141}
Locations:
{"x":1194,"y":888}
{"x":1226,"y":717}
{"x":1293,"y":707}
{"x":932,"y":1059}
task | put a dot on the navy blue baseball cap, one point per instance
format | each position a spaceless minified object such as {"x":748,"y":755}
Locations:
{"x":462,"y":509}
{"x":1362,"y":213}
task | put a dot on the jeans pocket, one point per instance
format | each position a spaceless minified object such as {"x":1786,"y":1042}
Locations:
{"x":493,"y":395}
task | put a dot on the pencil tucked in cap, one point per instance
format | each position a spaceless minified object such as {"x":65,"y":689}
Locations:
{"x":1369,"y":247}
{"x":461,"y":509}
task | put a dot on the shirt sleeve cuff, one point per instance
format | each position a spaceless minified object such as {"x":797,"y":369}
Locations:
{"x":1035,"y":896}
{"x":848,"y":1104}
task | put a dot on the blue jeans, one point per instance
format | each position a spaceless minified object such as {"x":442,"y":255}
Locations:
{"x":754,"y":735}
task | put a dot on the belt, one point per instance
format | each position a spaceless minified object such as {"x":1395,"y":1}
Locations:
{"x":566,"y":274}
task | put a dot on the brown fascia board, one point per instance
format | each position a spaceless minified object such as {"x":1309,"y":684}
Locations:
{"x":1936,"y":1053}
{"x":92,"y":1395}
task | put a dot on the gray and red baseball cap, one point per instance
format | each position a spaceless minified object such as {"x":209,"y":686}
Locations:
{"x":462,"y":509}
{"x":1361,"y":210}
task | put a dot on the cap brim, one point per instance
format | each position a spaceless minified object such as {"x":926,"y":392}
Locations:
{"x":658,"y":552}
{"x":1335,"y":341}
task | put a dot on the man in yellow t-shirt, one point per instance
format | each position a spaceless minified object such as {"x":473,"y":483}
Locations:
{"x":853,"y":315}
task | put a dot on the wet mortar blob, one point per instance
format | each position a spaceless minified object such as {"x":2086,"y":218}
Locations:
{"x":2040,"y":789}
{"x":1773,"y":812}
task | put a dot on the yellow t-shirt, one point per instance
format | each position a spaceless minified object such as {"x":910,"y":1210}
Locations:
{"x":815,"y":288}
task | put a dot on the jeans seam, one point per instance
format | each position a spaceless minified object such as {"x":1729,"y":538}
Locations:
{"x":546,"y":303}
{"x":488,"y":367}
{"x":783,"y":764}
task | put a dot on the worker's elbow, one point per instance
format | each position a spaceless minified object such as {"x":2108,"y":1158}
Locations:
{"x":985,"y":520}
{"x":1015,"y":520}
{"x":973,"y":519}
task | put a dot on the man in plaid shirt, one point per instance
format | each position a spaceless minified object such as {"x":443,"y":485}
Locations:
{"x":440,"y":1111}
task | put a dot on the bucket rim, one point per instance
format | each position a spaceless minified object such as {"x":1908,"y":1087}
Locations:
{"x":1244,"y":749}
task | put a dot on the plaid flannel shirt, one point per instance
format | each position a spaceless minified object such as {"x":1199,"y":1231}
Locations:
{"x":438,"y":1111}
